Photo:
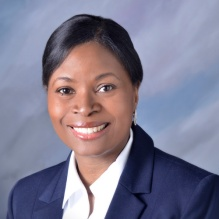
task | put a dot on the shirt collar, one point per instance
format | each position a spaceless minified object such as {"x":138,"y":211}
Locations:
{"x":74,"y":182}
{"x":114,"y":171}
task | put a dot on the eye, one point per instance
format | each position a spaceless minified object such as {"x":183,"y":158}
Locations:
{"x":106,"y":88}
{"x":65,"y":91}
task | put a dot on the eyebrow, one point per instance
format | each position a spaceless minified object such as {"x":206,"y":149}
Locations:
{"x":67,"y":79}
{"x":104,"y":75}
{"x":97,"y":78}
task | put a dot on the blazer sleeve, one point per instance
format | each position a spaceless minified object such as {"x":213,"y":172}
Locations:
{"x":204,"y":202}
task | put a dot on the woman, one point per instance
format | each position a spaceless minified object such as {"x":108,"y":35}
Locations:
{"x":92,"y":75}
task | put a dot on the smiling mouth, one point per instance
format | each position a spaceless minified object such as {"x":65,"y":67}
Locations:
{"x":90,"y":130}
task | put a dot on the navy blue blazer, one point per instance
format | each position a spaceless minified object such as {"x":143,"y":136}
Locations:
{"x":153,"y":185}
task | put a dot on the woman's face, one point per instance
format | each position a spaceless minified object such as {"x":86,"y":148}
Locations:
{"x":91,"y":101}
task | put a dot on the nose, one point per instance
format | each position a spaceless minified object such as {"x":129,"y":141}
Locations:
{"x":85,"y":103}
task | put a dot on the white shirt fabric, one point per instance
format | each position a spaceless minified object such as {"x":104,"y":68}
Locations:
{"x":76,"y":203}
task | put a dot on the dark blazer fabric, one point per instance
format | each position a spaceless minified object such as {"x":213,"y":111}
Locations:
{"x":153,"y":185}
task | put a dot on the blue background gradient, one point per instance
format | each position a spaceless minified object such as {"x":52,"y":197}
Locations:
{"x":178,"y":43}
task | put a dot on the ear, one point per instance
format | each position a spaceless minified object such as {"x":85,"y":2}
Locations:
{"x":136,"y":95}
{"x":45,"y":88}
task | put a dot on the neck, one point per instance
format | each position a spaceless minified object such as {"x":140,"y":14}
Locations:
{"x":90,"y":169}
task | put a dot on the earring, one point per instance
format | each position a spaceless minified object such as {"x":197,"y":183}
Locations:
{"x":135,"y":117}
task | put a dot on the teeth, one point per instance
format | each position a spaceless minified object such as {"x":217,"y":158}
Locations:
{"x":90,"y":130}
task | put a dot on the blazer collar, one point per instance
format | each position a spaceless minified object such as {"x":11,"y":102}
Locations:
{"x":135,"y":180}
{"x":137,"y":174}
{"x":49,"y":204}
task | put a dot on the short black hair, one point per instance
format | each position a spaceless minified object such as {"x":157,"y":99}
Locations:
{"x":85,"y":28}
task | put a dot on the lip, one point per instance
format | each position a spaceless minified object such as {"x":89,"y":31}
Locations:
{"x":90,"y":130}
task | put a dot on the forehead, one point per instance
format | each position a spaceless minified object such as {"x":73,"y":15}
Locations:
{"x":90,"y":58}
{"x":92,"y":51}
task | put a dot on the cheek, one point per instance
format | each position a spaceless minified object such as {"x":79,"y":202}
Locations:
{"x":129,"y":101}
{"x":55,"y":109}
{"x":124,"y":106}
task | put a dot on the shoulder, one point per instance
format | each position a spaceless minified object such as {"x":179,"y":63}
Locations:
{"x":28,"y":188}
{"x":186,"y":185}
{"x":175,"y":164}
{"x":181,"y":174}
{"x":43,"y":176}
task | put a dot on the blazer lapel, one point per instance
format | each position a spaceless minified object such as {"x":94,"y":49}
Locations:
{"x":49,"y":204}
{"x":50,"y":210}
{"x":129,"y":200}
{"x":125,"y":205}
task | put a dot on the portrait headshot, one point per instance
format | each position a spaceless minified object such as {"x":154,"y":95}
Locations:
{"x":109,"y":110}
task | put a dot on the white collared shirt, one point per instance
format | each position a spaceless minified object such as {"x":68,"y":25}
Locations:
{"x":76,"y":202}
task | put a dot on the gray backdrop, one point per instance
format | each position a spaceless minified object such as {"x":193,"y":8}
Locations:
{"x":178,"y":42}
